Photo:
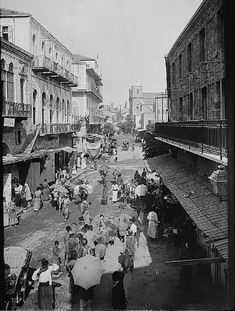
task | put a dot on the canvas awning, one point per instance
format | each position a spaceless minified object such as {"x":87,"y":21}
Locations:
{"x":195,"y":194}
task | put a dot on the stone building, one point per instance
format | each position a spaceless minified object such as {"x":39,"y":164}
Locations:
{"x":147,"y":107}
{"x":196,"y":131}
{"x":49,"y":94}
{"x":87,"y":95}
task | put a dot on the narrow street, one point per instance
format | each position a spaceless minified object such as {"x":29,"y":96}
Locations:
{"x":151,"y":285}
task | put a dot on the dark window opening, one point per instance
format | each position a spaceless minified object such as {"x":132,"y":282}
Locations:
{"x":220,"y":29}
{"x":5,"y":33}
{"x":180,"y":66}
{"x":191,"y":106}
{"x":204,"y":103}
{"x":18,"y":137}
{"x":181,"y":109}
{"x":189,"y":57}
{"x":202,"y":44}
{"x":34,"y":115}
{"x":22,"y":90}
{"x":173,"y":72}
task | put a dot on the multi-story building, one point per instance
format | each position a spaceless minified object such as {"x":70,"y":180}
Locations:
{"x":87,"y":95}
{"x":147,"y":107}
{"x":16,"y":105}
{"x":196,"y":131}
{"x":49,"y":95}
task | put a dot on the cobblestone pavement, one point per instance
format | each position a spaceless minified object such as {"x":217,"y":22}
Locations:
{"x":151,"y":285}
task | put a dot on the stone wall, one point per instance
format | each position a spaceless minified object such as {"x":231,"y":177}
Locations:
{"x":205,"y":72}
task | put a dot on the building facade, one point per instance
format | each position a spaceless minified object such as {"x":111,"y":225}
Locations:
{"x":49,"y":93}
{"x":87,"y":95}
{"x":147,"y":107}
{"x":196,"y":131}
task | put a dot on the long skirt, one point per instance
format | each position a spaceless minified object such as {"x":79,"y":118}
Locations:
{"x":37,"y":204}
{"x":45,"y":194}
{"x":45,"y":297}
{"x":115,"y":196}
{"x":18,"y":200}
{"x":104,"y":199}
{"x":152,"y":229}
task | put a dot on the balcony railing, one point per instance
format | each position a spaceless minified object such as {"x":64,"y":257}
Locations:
{"x":16,"y":110}
{"x":96,"y":92}
{"x":45,"y":65}
{"x":206,"y":136}
{"x":58,"y":128}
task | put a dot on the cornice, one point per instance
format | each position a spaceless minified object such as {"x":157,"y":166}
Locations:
{"x":12,"y":48}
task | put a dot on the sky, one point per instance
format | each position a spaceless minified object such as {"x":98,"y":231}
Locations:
{"x":129,"y":37}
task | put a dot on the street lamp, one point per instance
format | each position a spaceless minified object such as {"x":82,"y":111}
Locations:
{"x":218,"y":181}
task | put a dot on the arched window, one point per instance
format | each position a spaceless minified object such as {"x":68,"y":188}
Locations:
{"x":3,"y":78}
{"x":56,"y":56}
{"x":62,"y":60}
{"x":34,"y":43}
{"x":43,"y":107}
{"x":63,"y":111}
{"x":68,"y":111}
{"x":43,"y":47}
{"x":50,"y":51}
{"x":51,"y":108}
{"x":3,"y":64}
{"x":34,"y":106}
{"x":67,"y":64}
{"x":57,"y":109}
{"x":10,"y":83}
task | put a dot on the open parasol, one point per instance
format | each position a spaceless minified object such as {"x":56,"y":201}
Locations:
{"x":87,"y":271}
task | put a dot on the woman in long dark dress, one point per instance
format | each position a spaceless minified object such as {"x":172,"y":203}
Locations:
{"x":104,"y":199}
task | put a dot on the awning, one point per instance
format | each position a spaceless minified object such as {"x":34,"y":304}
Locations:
{"x":222,"y":247}
{"x":22,"y":157}
{"x":194,"y":192}
{"x":68,"y":149}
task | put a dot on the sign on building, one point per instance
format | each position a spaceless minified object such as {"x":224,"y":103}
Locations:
{"x":10,"y":122}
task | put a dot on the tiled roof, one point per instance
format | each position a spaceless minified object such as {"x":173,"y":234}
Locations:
{"x":222,"y":247}
{"x":80,"y":58}
{"x":8,"y":12}
{"x":194,"y":192}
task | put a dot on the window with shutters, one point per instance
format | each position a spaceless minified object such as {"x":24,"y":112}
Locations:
{"x":3,"y":78}
{"x":22,"y":90}
{"x":5,"y":32}
{"x":10,"y":83}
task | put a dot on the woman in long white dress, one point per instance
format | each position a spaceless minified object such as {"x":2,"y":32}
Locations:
{"x":152,"y":231}
{"x":115,"y":192}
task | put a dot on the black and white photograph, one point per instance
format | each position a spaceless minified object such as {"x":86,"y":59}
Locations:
{"x":117,"y":155}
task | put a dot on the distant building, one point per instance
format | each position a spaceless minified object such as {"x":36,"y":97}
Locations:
{"x":87,"y":94}
{"x":147,"y":107}
{"x":45,"y":85}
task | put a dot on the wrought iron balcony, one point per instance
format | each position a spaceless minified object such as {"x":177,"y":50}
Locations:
{"x":95,"y":92}
{"x":16,"y":110}
{"x":205,"y":136}
{"x":58,"y":128}
{"x":44,"y":65}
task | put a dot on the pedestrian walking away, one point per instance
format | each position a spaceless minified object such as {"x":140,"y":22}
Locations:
{"x":45,"y":290}
{"x":118,"y":293}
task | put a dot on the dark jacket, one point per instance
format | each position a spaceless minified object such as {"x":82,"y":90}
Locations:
{"x":118,"y":295}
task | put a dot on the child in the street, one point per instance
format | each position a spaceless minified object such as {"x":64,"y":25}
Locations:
{"x":56,"y":253}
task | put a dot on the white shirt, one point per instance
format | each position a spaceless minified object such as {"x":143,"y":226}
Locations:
{"x":133,"y":228}
{"x":90,"y":236}
{"x":46,"y":275}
